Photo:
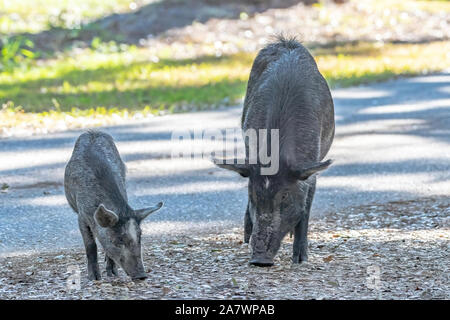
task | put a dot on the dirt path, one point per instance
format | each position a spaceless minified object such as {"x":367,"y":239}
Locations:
{"x":399,"y":250}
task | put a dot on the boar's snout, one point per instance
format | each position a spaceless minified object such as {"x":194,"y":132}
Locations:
{"x":134,"y":268}
{"x":261,"y":262}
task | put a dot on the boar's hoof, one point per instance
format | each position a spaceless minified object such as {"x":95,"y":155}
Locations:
{"x":142,"y":276}
{"x":261,"y":262}
{"x":112,"y":272}
{"x":93,"y":276}
{"x":111,"y":268}
{"x":299,"y":259}
{"x":94,"y":272}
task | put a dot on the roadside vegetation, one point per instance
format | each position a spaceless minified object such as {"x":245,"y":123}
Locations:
{"x":99,"y":82}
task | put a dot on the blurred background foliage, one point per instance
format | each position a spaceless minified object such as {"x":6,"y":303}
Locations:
{"x":66,"y":64}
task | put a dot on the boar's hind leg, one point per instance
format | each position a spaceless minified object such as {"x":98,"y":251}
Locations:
{"x":300,"y":253}
{"x":91,"y":250}
{"x":248,"y":226}
{"x":111,"y":268}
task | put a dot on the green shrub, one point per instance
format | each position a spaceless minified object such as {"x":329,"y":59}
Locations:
{"x":16,"y":52}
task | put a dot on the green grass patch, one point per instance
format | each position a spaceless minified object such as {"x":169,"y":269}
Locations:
{"x":105,"y":85}
{"x":363,"y":63}
{"x":129,"y":80}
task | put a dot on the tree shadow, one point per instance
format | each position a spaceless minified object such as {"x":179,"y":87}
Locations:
{"x":416,"y":106}
{"x":152,"y":20}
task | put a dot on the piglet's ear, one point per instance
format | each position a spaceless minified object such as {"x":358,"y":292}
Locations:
{"x":105,"y":218}
{"x":141,"y":214}
{"x":305,"y":172}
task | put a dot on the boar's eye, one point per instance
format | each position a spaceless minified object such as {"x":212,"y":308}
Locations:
{"x":285,"y":195}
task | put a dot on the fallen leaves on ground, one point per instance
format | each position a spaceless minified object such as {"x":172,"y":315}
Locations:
{"x":397,"y":250}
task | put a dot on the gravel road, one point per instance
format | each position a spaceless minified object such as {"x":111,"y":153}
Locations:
{"x":392,"y":144}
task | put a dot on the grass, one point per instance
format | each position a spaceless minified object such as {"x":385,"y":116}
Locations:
{"x":15,"y":16}
{"x":93,"y":88}
{"x":109,"y":81}
{"x":350,"y":65}
{"x":123,"y":80}
{"x":129,"y":80}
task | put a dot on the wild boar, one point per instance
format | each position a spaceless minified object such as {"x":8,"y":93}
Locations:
{"x":94,"y":184}
{"x":286,"y":93}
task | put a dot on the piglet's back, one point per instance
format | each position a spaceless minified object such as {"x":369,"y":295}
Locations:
{"x":95,"y":165}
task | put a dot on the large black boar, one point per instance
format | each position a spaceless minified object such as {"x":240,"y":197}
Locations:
{"x":94,"y":184}
{"x":286,"y":92}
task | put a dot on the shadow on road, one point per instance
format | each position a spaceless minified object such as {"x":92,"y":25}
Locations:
{"x":391,"y":143}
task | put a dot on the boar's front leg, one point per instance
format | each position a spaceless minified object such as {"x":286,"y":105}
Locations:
{"x":91,"y":250}
{"x":248,"y":225}
{"x":300,"y":253}
{"x":111,"y":267}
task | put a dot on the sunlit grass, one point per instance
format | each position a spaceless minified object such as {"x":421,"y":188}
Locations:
{"x":351,"y":65}
{"x":38,"y":15}
{"x":132,"y":81}
{"x":109,"y":86}
{"x":125,"y":80}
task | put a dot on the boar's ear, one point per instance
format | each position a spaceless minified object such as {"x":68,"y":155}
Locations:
{"x":141,"y":214}
{"x":233,"y":164}
{"x":105,"y":218}
{"x":307,"y":171}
